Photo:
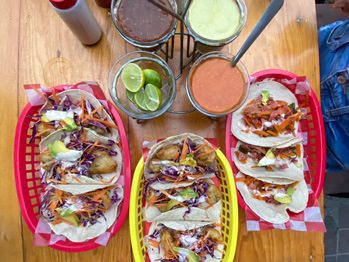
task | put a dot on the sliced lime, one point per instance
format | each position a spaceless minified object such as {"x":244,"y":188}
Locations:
{"x":152,"y":77}
{"x":139,"y":98}
{"x":153,"y":97}
{"x":130,"y":95}
{"x":133,"y":78}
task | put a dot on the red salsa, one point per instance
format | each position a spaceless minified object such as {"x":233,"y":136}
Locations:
{"x":216,"y":86}
{"x":142,"y":21}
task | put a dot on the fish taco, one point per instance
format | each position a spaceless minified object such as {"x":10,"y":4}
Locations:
{"x":81,"y":217}
{"x":180,"y":160}
{"x":184,"y":241}
{"x":269,"y":117}
{"x":201,"y":201}
{"x":70,"y":109}
{"x":265,"y":162}
{"x":78,"y":158}
{"x":271,"y":201}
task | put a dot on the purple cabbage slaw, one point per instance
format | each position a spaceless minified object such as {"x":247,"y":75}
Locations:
{"x":209,"y":244}
{"x":78,"y":203}
{"x":67,"y":105}
{"x":76,"y":144}
{"x":188,"y":202}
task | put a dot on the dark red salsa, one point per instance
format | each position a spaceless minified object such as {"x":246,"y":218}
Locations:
{"x":142,"y":21}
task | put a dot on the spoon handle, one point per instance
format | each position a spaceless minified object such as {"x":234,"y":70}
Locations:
{"x":267,"y":16}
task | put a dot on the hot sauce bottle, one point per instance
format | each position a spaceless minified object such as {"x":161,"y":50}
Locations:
{"x":78,"y":17}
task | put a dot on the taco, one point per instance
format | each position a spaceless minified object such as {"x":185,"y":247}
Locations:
{"x":179,"y":161}
{"x":270,"y":201}
{"x":80,"y":217}
{"x":199,"y":201}
{"x":71,"y":109}
{"x":184,"y":241}
{"x":265,"y":162}
{"x":79,"y":157}
{"x":269,"y":117}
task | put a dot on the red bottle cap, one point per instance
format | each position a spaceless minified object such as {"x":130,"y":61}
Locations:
{"x":63,"y":4}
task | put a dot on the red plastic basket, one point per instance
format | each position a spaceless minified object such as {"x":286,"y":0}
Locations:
{"x":314,"y":125}
{"x":28,"y":184}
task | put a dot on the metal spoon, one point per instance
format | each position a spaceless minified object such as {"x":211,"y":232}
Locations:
{"x":267,"y":16}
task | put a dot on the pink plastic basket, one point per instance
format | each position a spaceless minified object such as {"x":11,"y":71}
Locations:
{"x":315,"y":150}
{"x":28,"y":184}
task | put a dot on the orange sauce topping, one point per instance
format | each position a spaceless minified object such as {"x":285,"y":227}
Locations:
{"x":216,"y":86}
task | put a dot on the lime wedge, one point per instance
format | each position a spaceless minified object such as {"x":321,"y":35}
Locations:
{"x":130,"y":95}
{"x":133,"y":78}
{"x":139,"y":98}
{"x":152,"y":77}
{"x":153,"y":97}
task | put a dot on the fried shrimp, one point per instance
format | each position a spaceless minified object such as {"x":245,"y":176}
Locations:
{"x":206,"y":158}
{"x":167,"y":243}
{"x":214,"y":194}
{"x":168,"y":153}
{"x":103,"y":163}
{"x":214,"y":234}
{"x":45,"y":158}
{"x":154,"y":165}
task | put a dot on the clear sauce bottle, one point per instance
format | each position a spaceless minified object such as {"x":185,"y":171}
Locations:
{"x":78,"y":17}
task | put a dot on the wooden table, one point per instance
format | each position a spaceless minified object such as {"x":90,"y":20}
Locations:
{"x":37,"y":47}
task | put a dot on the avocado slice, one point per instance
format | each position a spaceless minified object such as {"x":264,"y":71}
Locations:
{"x":290,"y":191}
{"x":68,"y":214}
{"x":72,"y":219}
{"x":71,"y":125}
{"x":171,"y":203}
{"x":64,"y":212}
{"x":192,"y":257}
{"x":283,"y":200}
{"x":57,"y":147}
{"x":188,"y":193}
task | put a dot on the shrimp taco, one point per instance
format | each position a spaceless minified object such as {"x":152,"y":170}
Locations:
{"x":184,"y":241}
{"x":71,"y":109}
{"x":79,"y":158}
{"x":80,"y":217}
{"x":271,"y":201}
{"x":180,"y":160}
{"x":269,"y":117}
{"x":201,"y":201}
{"x":265,"y":162}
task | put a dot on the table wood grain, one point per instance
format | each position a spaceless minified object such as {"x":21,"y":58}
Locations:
{"x":37,"y":47}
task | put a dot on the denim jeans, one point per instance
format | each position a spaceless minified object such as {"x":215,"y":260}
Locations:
{"x":334,"y":83}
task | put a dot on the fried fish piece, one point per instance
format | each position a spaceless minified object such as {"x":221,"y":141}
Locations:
{"x":168,"y":153}
{"x":208,"y":158}
{"x":214,"y":194}
{"x":102,"y":164}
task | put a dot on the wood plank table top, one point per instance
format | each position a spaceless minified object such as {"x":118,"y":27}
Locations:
{"x":37,"y":47}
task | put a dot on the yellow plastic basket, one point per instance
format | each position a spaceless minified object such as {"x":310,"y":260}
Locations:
{"x":229,"y":210}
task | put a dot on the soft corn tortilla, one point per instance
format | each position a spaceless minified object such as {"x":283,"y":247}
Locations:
{"x":278,"y":92}
{"x":175,"y":140}
{"x":211,"y":214}
{"x":81,"y":234}
{"x":276,"y":214}
{"x":292,"y":173}
{"x":89,"y":183}
{"x":75,"y":94}
{"x":154,"y":253}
